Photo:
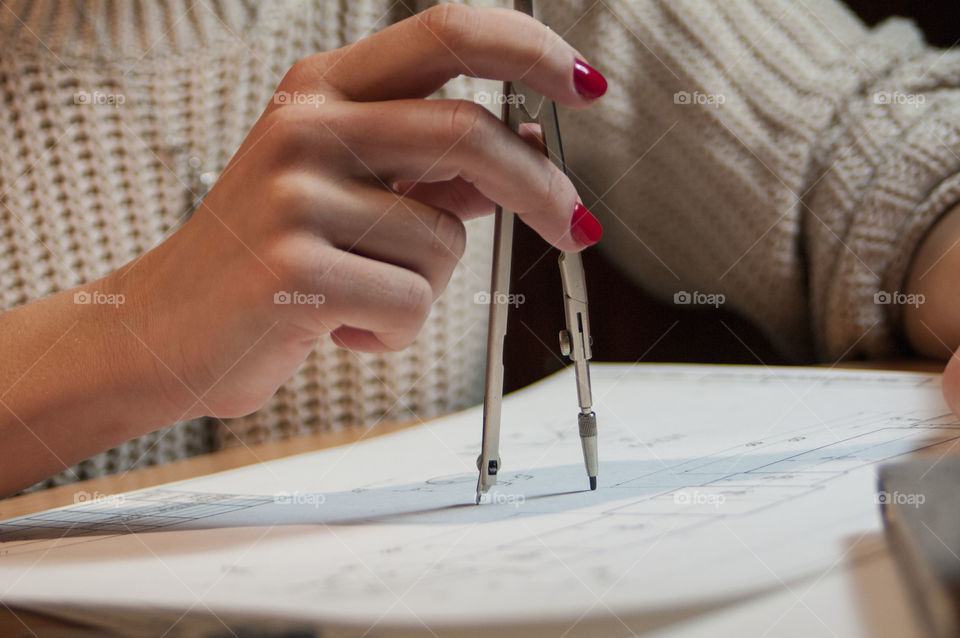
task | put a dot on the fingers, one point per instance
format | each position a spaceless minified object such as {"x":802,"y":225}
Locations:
{"x":457,"y":195}
{"x":384,"y":226}
{"x":532,"y":134}
{"x":460,"y":196}
{"x":358,"y":340}
{"x":441,"y":140}
{"x":951,"y":383}
{"x":335,"y":288}
{"x":415,"y":57}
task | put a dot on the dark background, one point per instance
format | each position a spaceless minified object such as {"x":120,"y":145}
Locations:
{"x":630,"y":325}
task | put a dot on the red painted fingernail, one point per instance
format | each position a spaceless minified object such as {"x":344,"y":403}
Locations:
{"x":584,"y":226}
{"x":590,"y":83}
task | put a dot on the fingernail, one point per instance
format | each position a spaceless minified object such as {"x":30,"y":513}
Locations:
{"x":584,"y":226}
{"x":590,"y":83}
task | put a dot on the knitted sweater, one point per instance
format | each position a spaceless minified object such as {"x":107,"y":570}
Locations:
{"x":774,"y":152}
{"x":740,"y":150}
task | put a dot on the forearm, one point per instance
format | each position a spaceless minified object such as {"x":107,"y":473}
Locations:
{"x":932,"y":325}
{"x":75,"y":380}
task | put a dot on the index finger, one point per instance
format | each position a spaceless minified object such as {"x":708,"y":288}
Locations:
{"x":417,"y":56}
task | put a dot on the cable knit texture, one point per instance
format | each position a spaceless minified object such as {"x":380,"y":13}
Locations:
{"x":778,"y":152}
{"x":774,"y":151}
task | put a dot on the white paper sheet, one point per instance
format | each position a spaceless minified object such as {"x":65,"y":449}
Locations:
{"x":716,"y":484}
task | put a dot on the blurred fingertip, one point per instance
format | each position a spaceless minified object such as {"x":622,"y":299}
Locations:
{"x":951,"y":383}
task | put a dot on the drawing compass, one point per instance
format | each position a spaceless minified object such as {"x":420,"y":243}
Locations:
{"x":523,"y":105}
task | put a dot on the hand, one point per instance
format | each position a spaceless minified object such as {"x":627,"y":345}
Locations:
{"x":342,"y":212}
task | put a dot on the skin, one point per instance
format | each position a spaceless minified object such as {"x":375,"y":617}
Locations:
{"x":933,"y":327}
{"x":361,"y":199}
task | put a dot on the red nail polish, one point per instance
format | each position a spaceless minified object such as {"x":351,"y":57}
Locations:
{"x":590,"y":83}
{"x":584,"y":226}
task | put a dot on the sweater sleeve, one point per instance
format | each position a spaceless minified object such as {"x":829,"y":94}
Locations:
{"x":777,"y":155}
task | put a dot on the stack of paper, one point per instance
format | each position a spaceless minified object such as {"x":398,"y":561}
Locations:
{"x":716,"y":484}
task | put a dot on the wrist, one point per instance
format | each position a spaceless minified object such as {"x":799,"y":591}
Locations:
{"x":136,"y":347}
